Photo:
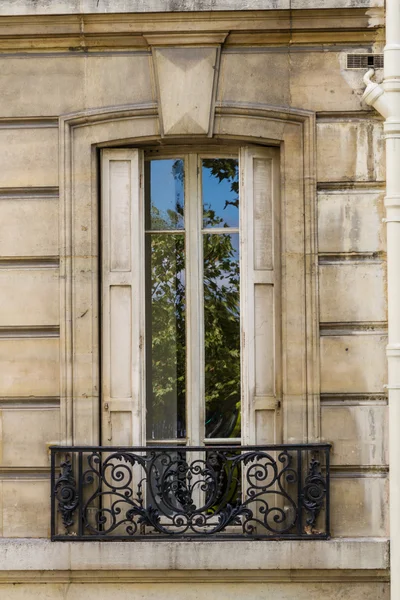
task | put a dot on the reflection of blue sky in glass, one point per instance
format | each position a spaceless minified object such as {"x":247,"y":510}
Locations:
{"x":166,"y":193}
{"x":217,"y":196}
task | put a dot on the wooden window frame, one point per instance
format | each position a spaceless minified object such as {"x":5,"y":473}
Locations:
{"x":133,"y":403}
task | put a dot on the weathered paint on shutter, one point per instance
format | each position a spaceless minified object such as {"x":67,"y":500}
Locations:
{"x":260,"y":295}
{"x":122,"y":292}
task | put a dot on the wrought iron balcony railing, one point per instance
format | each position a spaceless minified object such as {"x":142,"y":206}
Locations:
{"x":258,"y":492}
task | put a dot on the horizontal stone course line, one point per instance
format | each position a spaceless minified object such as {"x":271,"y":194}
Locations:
{"x":333,"y":258}
{"x":22,"y":54}
{"x":347,"y":116}
{"x":25,"y":473}
{"x":258,"y":110}
{"x":25,"y":193}
{"x":294,"y":48}
{"x":350,"y":186}
{"x":29,"y":402}
{"x":30,"y":262}
{"x":359,"y":471}
{"x":353,"y":328}
{"x":105,"y":44}
{"x":119,"y":113}
{"x":343,"y":399}
{"x":238,"y":576}
{"x":29,"y":123}
{"x":50,"y":331}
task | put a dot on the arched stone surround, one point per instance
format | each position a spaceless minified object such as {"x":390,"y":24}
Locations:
{"x":81,"y":135}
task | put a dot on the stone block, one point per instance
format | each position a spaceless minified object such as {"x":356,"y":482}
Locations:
{"x":352,"y":291}
{"x":350,"y":150}
{"x":117,"y":80}
{"x":254,"y":77}
{"x":26,"y":507}
{"x":353,"y":363}
{"x":320,"y":82}
{"x":41,"y":86}
{"x":351,"y":221}
{"x":359,"y":434}
{"x":28,"y":227}
{"x":26,"y":433}
{"x":29,"y":157}
{"x":29,"y":297}
{"x":29,"y":367}
{"x":359,"y":506}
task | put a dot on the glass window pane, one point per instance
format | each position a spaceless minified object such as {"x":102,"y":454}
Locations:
{"x":222,"y":335}
{"x":165,"y":330}
{"x":220,"y":185}
{"x":164,"y":194}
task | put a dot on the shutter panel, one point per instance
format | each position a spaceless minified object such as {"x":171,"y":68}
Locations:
{"x":122,"y":290}
{"x":260,"y":295}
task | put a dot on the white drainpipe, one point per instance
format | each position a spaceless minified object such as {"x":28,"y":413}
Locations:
{"x":386,"y":99}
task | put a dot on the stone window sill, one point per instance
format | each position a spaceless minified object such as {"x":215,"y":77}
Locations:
{"x":17,"y":554}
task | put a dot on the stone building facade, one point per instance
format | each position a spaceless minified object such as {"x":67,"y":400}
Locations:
{"x":277,"y":85}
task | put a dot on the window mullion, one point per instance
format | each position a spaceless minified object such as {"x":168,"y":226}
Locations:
{"x":194,"y":283}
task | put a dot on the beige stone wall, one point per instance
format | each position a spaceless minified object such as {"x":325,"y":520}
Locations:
{"x":39,"y":86}
{"x":352,"y":270}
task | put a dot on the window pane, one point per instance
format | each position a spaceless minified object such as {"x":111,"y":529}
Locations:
{"x":164,"y":194}
{"x":222,"y":335}
{"x":165,"y":329}
{"x":220,"y":184}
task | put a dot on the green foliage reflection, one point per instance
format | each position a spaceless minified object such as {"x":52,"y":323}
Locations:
{"x":166,"y":338}
{"x":166,"y":342}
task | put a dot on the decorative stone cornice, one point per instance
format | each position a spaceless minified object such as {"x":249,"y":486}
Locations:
{"x":106,"y":32}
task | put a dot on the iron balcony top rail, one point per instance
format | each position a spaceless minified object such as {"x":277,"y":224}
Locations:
{"x":203,"y":492}
{"x":270,"y":447}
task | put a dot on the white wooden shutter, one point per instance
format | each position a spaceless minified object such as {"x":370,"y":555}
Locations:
{"x":122,"y":217}
{"x":260,"y":295}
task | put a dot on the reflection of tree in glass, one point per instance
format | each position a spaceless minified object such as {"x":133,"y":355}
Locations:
{"x":222,"y":336}
{"x":166,"y":412}
{"x":222,"y":324}
{"x":221,"y":313}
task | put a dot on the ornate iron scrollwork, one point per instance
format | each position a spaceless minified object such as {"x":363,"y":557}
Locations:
{"x":66,"y":493}
{"x":183,"y":492}
{"x":314,"y":492}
